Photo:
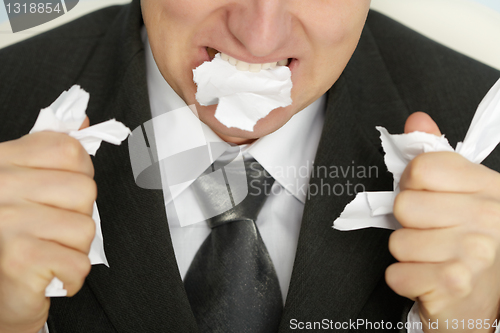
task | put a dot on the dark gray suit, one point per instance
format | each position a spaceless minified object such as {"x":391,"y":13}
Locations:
{"x":337,"y":275}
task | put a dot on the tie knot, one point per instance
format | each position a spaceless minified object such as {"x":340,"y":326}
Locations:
{"x":238,"y":194}
{"x":259,"y":182}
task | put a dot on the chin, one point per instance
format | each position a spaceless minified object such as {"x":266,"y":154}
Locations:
{"x":272,"y":122}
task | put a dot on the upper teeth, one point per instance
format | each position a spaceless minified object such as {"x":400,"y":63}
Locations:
{"x":245,"y":66}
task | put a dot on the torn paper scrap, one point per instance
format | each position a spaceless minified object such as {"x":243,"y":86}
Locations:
{"x":355,"y":214}
{"x":374,"y":209}
{"x":55,"y":289}
{"x":484,"y":132}
{"x":111,"y":131}
{"x":378,"y":202}
{"x":400,"y":149}
{"x":243,"y":97}
{"x":66,"y":115}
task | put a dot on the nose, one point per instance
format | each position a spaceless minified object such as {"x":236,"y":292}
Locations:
{"x":262,"y":26}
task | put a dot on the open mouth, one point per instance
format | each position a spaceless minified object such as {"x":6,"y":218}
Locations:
{"x":245,"y":66}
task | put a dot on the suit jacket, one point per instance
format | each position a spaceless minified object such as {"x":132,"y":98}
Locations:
{"x":337,"y":275}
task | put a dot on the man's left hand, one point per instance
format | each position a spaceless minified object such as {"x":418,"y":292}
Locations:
{"x":448,"y":249}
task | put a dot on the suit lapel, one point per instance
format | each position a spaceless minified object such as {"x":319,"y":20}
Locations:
{"x":142,"y":290}
{"x":335,"y":272}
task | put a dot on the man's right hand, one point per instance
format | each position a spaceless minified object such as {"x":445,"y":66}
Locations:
{"x":46,"y":228}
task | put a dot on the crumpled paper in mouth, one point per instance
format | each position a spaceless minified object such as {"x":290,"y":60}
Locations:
{"x":243,"y":97}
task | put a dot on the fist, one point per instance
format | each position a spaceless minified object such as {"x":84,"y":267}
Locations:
{"x":448,"y":248}
{"x":46,"y":229}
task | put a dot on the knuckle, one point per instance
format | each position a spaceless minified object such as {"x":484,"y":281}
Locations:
{"x":480,"y":248}
{"x":86,"y":190}
{"x":489,"y":213}
{"x":88,"y":232}
{"x":400,"y":205}
{"x":70,"y":151}
{"x":417,"y":169}
{"x":395,"y":244}
{"x":69,"y":147}
{"x":392,"y":277}
{"x":82,"y":267}
{"x":89,"y":188}
{"x":458,"y":278}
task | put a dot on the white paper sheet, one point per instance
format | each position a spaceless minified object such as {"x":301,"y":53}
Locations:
{"x":66,"y":115}
{"x":243,"y":97}
{"x":374,"y":209}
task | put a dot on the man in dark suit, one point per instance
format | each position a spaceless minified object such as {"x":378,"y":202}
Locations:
{"x":47,"y":189}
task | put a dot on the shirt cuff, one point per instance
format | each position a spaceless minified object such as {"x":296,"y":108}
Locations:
{"x":413,"y":319}
{"x":45,"y":329}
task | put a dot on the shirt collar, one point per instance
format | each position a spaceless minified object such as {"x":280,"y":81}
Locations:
{"x":287,"y":154}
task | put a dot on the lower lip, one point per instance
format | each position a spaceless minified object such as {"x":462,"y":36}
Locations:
{"x":293,"y":64}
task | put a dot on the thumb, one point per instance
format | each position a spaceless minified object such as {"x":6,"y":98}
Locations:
{"x":422,"y":122}
{"x":86,"y":123}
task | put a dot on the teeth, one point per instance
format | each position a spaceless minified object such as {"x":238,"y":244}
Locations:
{"x":267,"y":65}
{"x":232,"y":61}
{"x":283,"y":62}
{"x":254,"y":68}
{"x":245,"y":66}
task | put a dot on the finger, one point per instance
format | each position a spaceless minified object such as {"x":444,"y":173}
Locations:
{"x":69,"y":266}
{"x":434,"y":284}
{"x":33,"y":263}
{"x":474,"y":250}
{"x":425,"y":209}
{"x":446,"y":172}
{"x":433,"y":245}
{"x":65,"y":227}
{"x":411,"y":280}
{"x":422,"y":122}
{"x":85,"y":123}
{"x":66,"y":190}
{"x":47,"y":150}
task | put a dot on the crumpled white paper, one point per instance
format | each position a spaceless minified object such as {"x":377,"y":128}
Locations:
{"x":66,"y":115}
{"x":243,"y":97}
{"x":374,"y":209}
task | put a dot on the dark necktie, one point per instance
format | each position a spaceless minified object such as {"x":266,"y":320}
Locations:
{"x":232,"y":284}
